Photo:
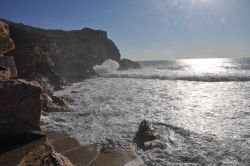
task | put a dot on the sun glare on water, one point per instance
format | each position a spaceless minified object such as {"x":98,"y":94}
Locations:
{"x":205,"y":65}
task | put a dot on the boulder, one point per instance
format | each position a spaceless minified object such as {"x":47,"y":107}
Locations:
{"x":126,"y":64}
{"x":6,"y":44}
{"x":8,"y":63}
{"x":144,"y":134}
{"x":4,"y":29}
{"x":20,"y":107}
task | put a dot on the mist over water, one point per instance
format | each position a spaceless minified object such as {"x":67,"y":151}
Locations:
{"x":108,"y":66}
{"x":199,"y":122}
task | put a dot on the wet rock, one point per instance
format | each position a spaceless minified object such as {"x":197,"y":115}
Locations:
{"x":144,"y":134}
{"x":20,"y":106}
{"x":55,"y":103}
{"x":62,"y":100}
{"x":59,"y":87}
{"x":126,"y":64}
{"x":47,"y":102}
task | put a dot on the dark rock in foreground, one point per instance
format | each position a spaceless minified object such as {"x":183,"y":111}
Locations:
{"x":128,"y":64}
{"x":36,"y":153}
{"x":144,"y":134}
{"x":20,"y":106}
{"x":21,"y":141}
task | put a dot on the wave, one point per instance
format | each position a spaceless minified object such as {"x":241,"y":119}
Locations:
{"x":204,"y":78}
{"x":107,"y":66}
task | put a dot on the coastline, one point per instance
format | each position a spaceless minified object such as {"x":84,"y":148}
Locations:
{"x":22,"y":141}
{"x":94,"y":155}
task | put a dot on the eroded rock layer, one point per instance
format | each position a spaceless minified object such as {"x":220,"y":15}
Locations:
{"x":41,"y":54}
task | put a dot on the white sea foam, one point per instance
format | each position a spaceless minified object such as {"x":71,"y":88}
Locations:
{"x":108,"y":66}
{"x":112,"y":106}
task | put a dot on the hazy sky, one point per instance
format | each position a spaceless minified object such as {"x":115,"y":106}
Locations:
{"x":148,"y":29}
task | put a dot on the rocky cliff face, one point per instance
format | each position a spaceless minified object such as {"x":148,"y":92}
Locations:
{"x":79,"y":51}
{"x":48,"y":54}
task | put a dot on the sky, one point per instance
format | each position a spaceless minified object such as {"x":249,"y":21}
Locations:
{"x":148,"y":29}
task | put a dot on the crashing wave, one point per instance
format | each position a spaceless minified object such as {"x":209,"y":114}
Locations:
{"x":108,"y":66}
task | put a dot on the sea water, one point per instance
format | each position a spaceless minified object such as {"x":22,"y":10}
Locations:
{"x":201,"y":106}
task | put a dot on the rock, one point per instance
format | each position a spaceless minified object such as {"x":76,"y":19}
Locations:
{"x":58,"y":88}
{"x":55,"y":103}
{"x":9,"y":63}
{"x":62,"y":100}
{"x":144,"y":134}
{"x":4,"y":29}
{"x":4,"y":73}
{"x":6,"y":44}
{"x":20,"y":107}
{"x":71,"y":54}
{"x":54,"y":158}
{"x":8,"y":67}
{"x":47,"y":102}
{"x":13,"y":140}
{"x":36,"y":153}
{"x":126,"y":64}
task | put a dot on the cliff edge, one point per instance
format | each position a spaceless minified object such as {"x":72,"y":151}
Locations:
{"x":54,"y":56}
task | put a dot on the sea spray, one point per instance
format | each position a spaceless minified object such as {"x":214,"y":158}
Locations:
{"x":108,"y":66}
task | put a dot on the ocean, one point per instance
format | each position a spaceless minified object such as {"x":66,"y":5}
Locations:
{"x":200,"y":108}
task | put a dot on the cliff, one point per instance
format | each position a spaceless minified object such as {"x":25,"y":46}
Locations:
{"x":54,"y":55}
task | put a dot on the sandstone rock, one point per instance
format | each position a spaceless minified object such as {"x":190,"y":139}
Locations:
{"x":9,"y":63}
{"x":4,"y":29}
{"x":4,"y":73}
{"x":6,"y":44}
{"x":36,"y":153}
{"x":20,"y":107}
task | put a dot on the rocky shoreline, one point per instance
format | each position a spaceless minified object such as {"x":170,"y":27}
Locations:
{"x":31,"y":69}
